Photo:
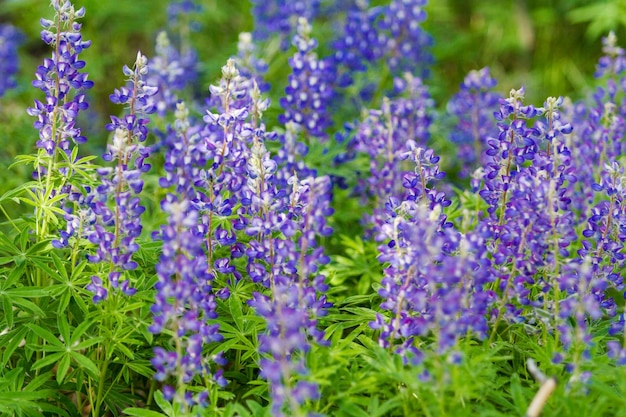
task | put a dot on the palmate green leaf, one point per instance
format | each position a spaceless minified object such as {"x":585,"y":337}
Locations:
{"x":46,"y":335}
{"x":79,"y":166}
{"x":358,"y":316}
{"x":63,"y":295}
{"x":343,"y":345}
{"x":13,"y":297}
{"x":140,"y":412}
{"x":50,"y":409}
{"x":257,"y":409}
{"x":142,"y":367}
{"x":14,"y":379}
{"x":42,"y":263}
{"x":121,"y":347}
{"x":85,"y":363}
{"x":59,"y":265}
{"x":27,"y":292}
{"x":14,"y":277}
{"x":118,"y":397}
{"x":349,"y":408}
{"x":375,"y":409}
{"x":236,"y":311}
{"x":87,"y":343}
{"x":42,"y":246}
{"x":366,"y":314}
{"x":7,"y":246}
{"x":233,"y":344}
{"x":13,"y":193}
{"x":14,"y":337}
{"x":517,"y":394}
{"x":8,"y":311}
{"x":68,"y":288}
{"x":232,"y":334}
{"x":63,"y":367}
{"x":603,"y":17}
{"x":235,"y":410}
{"x":356,"y":299}
{"x":22,"y":400}
{"x":79,"y":331}
{"x":27,"y":305}
{"x":38,"y":381}
{"x":334,"y":332}
{"x":24,"y":160}
{"x":48,"y":360}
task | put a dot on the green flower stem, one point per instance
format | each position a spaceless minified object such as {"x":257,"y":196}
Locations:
{"x":505,"y":295}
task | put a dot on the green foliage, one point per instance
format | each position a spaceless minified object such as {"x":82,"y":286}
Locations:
{"x":358,"y":269}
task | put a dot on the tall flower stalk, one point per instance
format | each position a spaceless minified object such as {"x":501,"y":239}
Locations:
{"x":390,"y":136}
{"x":64,"y":85}
{"x":473,"y":106}
{"x":309,"y":91}
{"x":115,"y":209}
{"x":185,"y":300}
{"x":118,"y":227}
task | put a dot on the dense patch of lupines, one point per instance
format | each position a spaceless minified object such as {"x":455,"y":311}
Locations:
{"x":548,"y":176}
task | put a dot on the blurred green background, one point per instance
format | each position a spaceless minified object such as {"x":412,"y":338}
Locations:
{"x":549,"y":46}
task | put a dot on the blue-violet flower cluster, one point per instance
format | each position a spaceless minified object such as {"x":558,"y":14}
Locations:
{"x":10,"y":38}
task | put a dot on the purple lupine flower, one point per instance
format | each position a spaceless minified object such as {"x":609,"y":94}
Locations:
{"x":599,"y":126}
{"x":226,"y":136}
{"x":360,"y":42}
{"x":406,"y":43}
{"x":583,"y":302}
{"x":117,"y":229}
{"x":534,"y":233}
{"x":224,"y":170}
{"x":251,"y":65}
{"x":515,"y":144}
{"x":60,"y":78}
{"x":291,"y":155}
{"x":185,"y":155}
{"x":617,"y":352}
{"x":296,"y":299}
{"x":179,"y":16}
{"x":617,"y":349}
{"x":284,"y":219}
{"x":605,"y":234}
{"x":168,"y":74}
{"x":176,"y":10}
{"x":613,"y":62}
{"x":474,"y":106}
{"x":185,"y":300}
{"x":388,"y":136}
{"x":64,"y":85}
{"x":10,"y":38}
{"x":309,"y":88}
{"x":280,"y":17}
{"x":596,"y":142}
{"x":417,"y":239}
{"x":286,"y":321}
{"x":79,"y":216}
{"x":426,"y":288}
{"x":528,"y":184}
